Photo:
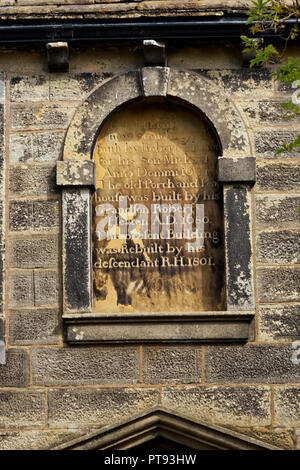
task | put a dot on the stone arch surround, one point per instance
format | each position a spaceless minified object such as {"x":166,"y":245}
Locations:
{"x":75,"y":175}
{"x":189,"y":87}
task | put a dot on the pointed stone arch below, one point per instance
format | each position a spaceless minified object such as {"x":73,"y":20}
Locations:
{"x":236,"y":171}
{"x":169,"y":426}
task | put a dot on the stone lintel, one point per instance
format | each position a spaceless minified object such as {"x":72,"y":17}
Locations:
{"x":75,"y":173}
{"x":157,"y":327}
{"x":155,"y":81}
{"x":235,"y":170}
{"x":58,"y":56}
{"x":154,"y":53}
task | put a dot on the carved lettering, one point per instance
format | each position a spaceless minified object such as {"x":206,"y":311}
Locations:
{"x":157,"y":213}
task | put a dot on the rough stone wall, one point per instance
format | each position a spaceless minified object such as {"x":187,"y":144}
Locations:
{"x":51,"y":392}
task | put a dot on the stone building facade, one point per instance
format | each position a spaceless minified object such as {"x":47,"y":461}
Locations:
{"x":69,"y":372}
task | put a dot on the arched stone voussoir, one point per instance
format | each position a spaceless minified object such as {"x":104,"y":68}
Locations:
{"x":89,"y":117}
{"x":204,"y":95}
{"x":186,"y":86}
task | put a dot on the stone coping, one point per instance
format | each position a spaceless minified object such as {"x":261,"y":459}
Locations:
{"x":106,"y":8}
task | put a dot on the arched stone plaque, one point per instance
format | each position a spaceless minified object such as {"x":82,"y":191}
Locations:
{"x":157,"y":230}
{"x":187,"y":303}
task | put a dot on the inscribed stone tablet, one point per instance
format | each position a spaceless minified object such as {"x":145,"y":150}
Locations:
{"x":157,"y":212}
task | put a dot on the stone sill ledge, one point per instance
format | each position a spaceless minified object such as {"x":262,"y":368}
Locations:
{"x":86,"y":328}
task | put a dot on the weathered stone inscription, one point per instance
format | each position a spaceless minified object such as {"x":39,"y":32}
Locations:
{"x":157,"y":213}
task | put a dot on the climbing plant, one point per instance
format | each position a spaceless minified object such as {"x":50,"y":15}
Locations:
{"x":281,"y":17}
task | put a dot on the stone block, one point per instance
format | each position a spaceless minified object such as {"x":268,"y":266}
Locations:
{"x":242,"y":82}
{"x":36,"y":147}
{"x":15,"y":372}
{"x":76,"y":249}
{"x":89,"y":117}
{"x":250,"y":364}
{"x":2,"y":218}
{"x":171,"y":364}
{"x":20,"y":285}
{"x":34,"y":251}
{"x":278,"y":284}
{"x":264,"y":112}
{"x":236,"y":170}
{"x":98,"y":407}
{"x":237,"y":406}
{"x":2,"y":88}
{"x":45,"y":288}
{"x":277,"y":211}
{"x":22,"y":408}
{"x":2,"y":349}
{"x":75,"y":86}
{"x":297,"y":439}
{"x":21,"y":148}
{"x":55,"y":2}
{"x":29,"y":88}
{"x":58,"y":56}
{"x":202,"y":93}
{"x":32,"y":180}
{"x":278,"y":247}
{"x":20,"y":215}
{"x":237,"y":203}
{"x":154,"y":53}
{"x":36,"y":439}
{"x":85,"y":366}
{"x":278,"y":176}
{"x":75,"y":173}
{"x":283,"y":88}
{"x":45,"y":214}
{"x":33,"y":215}
{"x":41,"y":116}
{"x":280,"y":437}
{"x":8,"y":3}
{"x":2,"y":328}
{"x":286,"y":405}
{"x":34,"y":326}
{"x":279,"y":323}
{"x":2,"y":125}
{"x":266,"y":142}
{"x":155,"y":81}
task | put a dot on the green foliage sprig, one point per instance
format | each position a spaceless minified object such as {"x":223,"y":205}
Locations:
{"x":273,"y":15}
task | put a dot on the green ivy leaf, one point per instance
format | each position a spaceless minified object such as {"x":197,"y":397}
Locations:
{"x":289,"y":147}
